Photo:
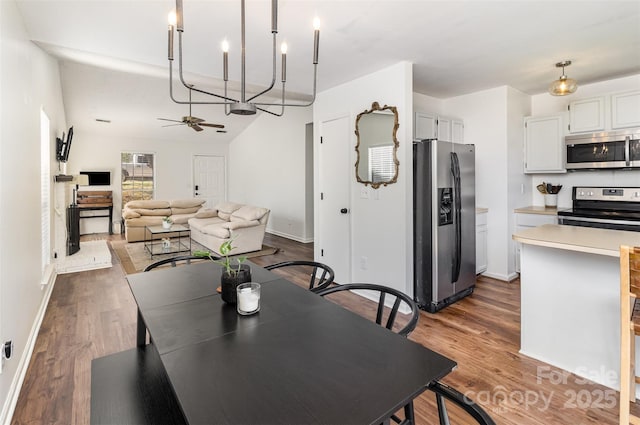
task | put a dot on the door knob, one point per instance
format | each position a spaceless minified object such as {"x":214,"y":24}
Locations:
{"x":344,"y":211}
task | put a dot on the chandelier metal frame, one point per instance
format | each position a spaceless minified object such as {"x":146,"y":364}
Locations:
{"x":243,"y":105}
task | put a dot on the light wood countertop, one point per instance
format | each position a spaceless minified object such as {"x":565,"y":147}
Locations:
{"x":480,"y":210}
{"x":536,"y":209}
{"x":580,"y":239}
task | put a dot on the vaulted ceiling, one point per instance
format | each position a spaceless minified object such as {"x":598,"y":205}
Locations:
{"x":114,"y":53}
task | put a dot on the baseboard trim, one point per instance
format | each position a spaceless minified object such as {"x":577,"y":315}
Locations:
{"x":288,"y":236}
{"x":16,"y":384}
{"x":499,"y":276}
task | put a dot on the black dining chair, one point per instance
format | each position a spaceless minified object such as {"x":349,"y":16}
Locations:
{"x":388,"y":315}
{"x":182,"y":259}
{"x":441,"y":390}
{"x":315,"y":283}
{"x":383,"y":312}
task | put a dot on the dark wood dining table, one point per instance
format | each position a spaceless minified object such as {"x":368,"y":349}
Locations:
{"x":301,"y":359}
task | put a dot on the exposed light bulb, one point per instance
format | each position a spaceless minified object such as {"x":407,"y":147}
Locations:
{"x":225,"y":46}
{"x":316,"y":23}
{"x":172,"y":18}
{"x":283,"y":48}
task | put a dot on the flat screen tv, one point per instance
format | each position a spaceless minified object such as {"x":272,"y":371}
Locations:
{"x":64,"y":146}
{"x":98,"y":178}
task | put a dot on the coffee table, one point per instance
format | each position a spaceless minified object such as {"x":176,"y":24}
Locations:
{"x":159,"y":240}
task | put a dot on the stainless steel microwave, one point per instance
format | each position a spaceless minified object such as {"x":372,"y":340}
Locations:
{"x":613,"y":149}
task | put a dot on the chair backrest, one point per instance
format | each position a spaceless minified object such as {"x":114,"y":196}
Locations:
{"x":630,"y":269}
{"x":316,"y":283}
{"x":444,"y":391}
{"x":382,"y":310}
{"x":174,"y":261}
{"x":629,"y":328}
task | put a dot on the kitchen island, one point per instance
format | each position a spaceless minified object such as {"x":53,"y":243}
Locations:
{"x":570,"y":295}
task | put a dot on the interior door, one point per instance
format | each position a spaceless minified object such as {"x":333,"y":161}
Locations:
{"x":334,"y":222}
{"x":209,"y":181}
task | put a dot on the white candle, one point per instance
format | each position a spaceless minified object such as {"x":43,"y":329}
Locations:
{"x":248,"y":300}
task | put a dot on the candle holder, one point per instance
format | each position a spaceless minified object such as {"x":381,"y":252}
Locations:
{"x":248,"y":295}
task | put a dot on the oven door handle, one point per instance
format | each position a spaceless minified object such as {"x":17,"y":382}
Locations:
{"x":561,"y":218}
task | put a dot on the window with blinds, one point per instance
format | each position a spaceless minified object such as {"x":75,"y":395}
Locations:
{"x":381,"y":163}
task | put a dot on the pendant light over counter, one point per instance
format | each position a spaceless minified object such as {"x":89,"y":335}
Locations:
{"x":563,"y":85}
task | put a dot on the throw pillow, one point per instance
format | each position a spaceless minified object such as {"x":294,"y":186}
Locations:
{"x":206,"y":213}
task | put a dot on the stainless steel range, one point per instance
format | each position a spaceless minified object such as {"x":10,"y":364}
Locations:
{"x":616,"y":208}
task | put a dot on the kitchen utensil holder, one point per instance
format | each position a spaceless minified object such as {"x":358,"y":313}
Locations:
{"x":551,"y":200}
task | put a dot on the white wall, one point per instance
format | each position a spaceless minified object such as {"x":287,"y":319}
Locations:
{"x":173,"y":167}
{"x":485,"y":125}
{"x":545,"y":104}
{"x":424,"y":103}
{"x":518,"y":187}
{"x":267,"y":168}
{"x":382,"y":225}
{"x":29,"y":82}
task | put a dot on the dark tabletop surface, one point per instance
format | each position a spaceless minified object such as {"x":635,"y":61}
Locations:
{"x":301,"y":359}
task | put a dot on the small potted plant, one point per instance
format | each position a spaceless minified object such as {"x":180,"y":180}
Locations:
{"x":167,"y":222}
{"x":234,"y":273}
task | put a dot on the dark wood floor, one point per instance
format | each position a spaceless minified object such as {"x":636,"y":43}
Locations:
{"x":92,"y":314}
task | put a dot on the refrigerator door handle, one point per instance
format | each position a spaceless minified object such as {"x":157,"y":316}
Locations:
{"x":457,"y":254}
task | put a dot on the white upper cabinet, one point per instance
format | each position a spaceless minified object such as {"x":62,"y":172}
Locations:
{"x":431,"y":126}
{"x":587,"y":115}
{"x":457,"y":131}
{"x":424,"y":126}
{"x":444,"y":129}
{"x":625,"y":109}
{"x":543,"y":144}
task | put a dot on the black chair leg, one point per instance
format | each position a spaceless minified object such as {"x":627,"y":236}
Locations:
{"x":409,"y":415}
{"x":444,"y":391}
{"x":442,"y":410}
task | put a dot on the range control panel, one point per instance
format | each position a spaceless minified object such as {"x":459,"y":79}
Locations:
{"x":619,"y":194}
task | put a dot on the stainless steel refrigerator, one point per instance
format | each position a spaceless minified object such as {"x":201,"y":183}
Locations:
{"x":444,"y":223}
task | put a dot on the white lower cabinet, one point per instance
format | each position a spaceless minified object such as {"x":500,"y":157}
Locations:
{"x":481,"y":242}
{"x":527,"y":221}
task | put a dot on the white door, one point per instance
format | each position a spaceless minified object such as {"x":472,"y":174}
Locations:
{"x":209,"y":180}
{"x":334,"y":162}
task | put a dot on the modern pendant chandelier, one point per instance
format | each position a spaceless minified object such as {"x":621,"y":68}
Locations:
{"x":563,"y":85}
{"x":243,"y":105}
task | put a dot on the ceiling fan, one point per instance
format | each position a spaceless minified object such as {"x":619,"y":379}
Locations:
{"x":193,"y":122}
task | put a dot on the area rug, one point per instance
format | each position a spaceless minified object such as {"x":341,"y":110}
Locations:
{"x":134,"y":258}
{"x":92,"y":255}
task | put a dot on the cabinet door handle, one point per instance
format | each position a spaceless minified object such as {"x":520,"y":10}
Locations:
{"x":344,"y":211}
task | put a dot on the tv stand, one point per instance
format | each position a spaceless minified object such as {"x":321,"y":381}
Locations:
{"x":96,"y":200}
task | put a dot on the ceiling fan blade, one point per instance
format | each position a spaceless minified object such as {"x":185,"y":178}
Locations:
{"x":206,"y":124}
{"x":167,"y":119}
{"x":196,"y":127}
{"x":173,"y":125}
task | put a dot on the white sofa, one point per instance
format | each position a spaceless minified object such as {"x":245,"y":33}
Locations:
{"x":138,"y":214}
{"x":244,"y":224}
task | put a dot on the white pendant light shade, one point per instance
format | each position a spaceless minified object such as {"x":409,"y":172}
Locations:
{"x":563,"y":85}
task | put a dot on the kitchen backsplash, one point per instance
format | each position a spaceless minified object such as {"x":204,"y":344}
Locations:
{"x":619,"y":178}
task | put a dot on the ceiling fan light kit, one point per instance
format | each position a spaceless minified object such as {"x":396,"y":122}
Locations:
{"x":243,"y":105}
{"x":563,"y":85}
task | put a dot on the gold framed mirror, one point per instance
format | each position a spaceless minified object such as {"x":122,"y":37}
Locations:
{"x":377,"y":146}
